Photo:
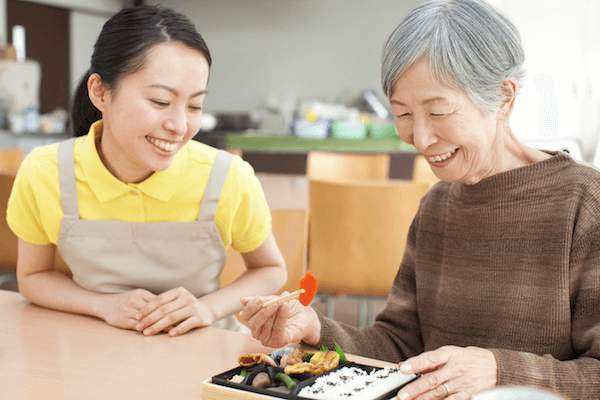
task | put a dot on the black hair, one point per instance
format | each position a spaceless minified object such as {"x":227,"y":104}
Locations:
{"x":121,"y":49}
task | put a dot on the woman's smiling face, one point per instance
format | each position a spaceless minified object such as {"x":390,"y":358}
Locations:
{"x":459,"y":142}
{"x":153,"y":112}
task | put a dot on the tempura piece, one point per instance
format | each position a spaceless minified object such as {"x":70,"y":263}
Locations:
{"x":320,"y":362}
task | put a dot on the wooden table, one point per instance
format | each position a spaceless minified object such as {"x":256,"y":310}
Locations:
{"x":50,"y":355}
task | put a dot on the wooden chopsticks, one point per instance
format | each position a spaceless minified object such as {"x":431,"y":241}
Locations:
{"x":287,"y":297}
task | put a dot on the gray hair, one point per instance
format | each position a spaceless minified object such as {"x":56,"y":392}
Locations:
{"x":469,"y":44}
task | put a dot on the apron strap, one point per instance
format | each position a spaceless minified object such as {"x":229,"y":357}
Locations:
{"x":214,"y":186}
{"x":68,"y":183}
{"x":66,"y":178}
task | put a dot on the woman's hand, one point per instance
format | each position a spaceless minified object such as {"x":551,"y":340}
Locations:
{"x":175,"y":311}
{"x":450,"y":372}
{"x":280,"y":324}
{"x":121,"y":309}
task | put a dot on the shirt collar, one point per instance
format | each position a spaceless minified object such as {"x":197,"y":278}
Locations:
{"x":161,"y":185}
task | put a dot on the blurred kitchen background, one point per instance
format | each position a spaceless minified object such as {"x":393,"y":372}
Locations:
{"x":294,"y":68}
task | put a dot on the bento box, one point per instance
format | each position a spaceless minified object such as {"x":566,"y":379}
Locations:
{"x":346,"y":381}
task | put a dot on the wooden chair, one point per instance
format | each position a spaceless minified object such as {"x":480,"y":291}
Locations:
{"x":290,"y":228}
{"x":357,"y":237}
{"x":422,"y":171}
{"x":8,"y":240}
{"x":347,"y":166}
{"x":10,"y":160}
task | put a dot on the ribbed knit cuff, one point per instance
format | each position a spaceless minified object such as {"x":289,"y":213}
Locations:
{"x":519,"y":368}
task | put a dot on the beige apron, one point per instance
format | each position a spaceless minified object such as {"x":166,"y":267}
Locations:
{"x":117,"y":256}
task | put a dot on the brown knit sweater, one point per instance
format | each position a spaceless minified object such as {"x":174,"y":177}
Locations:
{"x":511,"y":264}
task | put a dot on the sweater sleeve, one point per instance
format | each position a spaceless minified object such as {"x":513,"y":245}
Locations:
{"x":395,"y":335}
{"x":579,"y":377}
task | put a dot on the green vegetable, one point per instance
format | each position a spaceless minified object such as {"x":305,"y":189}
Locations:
{"x":307,"y":357}
{"x":339,"y":350}
{"x":243,"y":373}
{"x":285,"y":379}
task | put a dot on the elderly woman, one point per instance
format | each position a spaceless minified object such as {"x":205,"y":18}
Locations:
{"x":500,"y":280}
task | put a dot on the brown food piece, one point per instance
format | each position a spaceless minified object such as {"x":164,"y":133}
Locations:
{"x":295,"y":357}
{"x":261,"y":380}
{"x":248,"y":360}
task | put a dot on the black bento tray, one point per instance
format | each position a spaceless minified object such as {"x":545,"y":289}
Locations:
{"x":305,"y":379}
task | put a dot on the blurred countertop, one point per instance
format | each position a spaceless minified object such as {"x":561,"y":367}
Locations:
{"x":293,"y":144}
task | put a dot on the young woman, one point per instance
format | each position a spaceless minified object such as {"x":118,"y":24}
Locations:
{"x":141,"y":214}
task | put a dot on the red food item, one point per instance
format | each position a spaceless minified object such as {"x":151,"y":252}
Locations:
{"x":310,"y":284}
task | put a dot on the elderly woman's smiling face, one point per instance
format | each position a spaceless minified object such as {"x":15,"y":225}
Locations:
{"x":457,"y":139}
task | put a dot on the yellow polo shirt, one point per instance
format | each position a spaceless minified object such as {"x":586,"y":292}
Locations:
{"x":34,"y":209}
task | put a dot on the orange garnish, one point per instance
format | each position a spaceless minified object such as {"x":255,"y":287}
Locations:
{"x":310,"y":285}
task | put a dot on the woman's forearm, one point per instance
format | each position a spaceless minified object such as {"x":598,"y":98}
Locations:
{"x":54,"y":290}
{"x":254,"y":282}
{"x":577,"y":379}
{"x":40,"y":284}
{"x":266,"y":274}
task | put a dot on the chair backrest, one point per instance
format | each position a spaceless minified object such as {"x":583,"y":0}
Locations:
{"x":422,"y":171}
{"x":8,"y":240}
{"x":347,"y":166}
{"x":358,"y":233}
{"x":10,"y":160}
{"x":236,"y":152}
{"x":290,"y":228}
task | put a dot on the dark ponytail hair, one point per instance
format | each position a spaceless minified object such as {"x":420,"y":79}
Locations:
{"x":121,"y":50}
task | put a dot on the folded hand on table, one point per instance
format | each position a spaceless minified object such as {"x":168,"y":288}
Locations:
{"x":120,"y":309}
{"x":280,"y":323}
{"x":450,"y":372}
{"x":175,"y":311}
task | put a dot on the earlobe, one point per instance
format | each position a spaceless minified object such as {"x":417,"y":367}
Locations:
{"x":509,"y":89}
{"x":97,"y":92}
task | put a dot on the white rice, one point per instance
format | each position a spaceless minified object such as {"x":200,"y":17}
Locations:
{"x":353,"y":382}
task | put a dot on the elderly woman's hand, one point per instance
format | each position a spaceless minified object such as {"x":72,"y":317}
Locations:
{"x":450,"y":372}
{"x":280,"y":324}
